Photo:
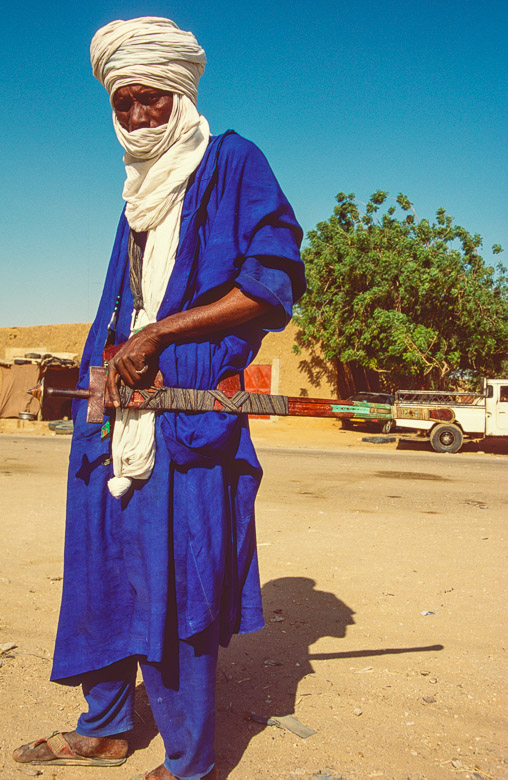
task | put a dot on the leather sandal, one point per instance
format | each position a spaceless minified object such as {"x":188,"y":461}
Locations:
{"x":64,"y":755}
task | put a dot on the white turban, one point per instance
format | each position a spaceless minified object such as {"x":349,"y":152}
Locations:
{"x":149,"y":50}
{"x":159,"y":161}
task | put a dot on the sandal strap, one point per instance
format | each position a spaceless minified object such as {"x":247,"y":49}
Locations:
{"x":60,"y":746}
{"x":41,"y":740}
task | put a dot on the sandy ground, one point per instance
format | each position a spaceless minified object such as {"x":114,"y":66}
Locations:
{"x":356,"y":542}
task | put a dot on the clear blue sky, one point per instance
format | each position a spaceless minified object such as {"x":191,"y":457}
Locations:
{"x":405,"y":96}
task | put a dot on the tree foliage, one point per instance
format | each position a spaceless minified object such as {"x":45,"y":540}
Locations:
{"x":410,"y":299}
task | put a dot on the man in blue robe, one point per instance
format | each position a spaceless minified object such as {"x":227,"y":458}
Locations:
{"x":160,"y":549}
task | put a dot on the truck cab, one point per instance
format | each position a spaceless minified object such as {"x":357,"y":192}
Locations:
{"x":496,"y":407}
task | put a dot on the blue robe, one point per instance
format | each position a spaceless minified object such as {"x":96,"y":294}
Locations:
{"x":179,"y":550}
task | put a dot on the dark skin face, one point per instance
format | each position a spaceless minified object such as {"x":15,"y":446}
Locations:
{"x":139,"y":106}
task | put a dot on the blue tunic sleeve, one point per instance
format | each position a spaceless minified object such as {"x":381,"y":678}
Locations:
{"x":238,"y":229}
{"x":253,"y":237}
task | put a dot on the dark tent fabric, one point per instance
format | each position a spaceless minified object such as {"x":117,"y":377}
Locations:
{"x":15,"y":380}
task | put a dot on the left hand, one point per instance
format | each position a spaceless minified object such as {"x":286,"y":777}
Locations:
{"x":131,"y":361}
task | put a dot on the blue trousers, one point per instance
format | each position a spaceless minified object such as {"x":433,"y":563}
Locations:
{"x":181,"y":691}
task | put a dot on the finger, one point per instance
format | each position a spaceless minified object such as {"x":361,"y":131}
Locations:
{"x":112,"y":385}
{"x":123,"y":375}
{"x":128,"y":372}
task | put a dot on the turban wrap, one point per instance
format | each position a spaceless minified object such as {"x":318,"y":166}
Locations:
{"x":154,"y":52}
{"x":148,"y":50}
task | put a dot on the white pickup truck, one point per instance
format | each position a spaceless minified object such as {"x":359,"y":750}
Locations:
{"x":447,"y":417}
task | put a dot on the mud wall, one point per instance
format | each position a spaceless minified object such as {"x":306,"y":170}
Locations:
{"x":306,"y":374}
{"x":44,"y":338}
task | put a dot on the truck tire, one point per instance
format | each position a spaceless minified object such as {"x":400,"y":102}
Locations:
{"x":387,"y":426}
{"x":446,"y":438}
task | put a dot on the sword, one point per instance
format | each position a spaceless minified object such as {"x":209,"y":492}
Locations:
{"x":228,"y":398}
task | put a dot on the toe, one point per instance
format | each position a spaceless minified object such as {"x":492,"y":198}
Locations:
{"x":22,"y":754}
{"x":18,"y":754}
{"x":31,"y":751}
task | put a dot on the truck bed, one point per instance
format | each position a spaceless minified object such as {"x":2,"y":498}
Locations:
{"x":423,"y":409}
{"x":438,"y":398}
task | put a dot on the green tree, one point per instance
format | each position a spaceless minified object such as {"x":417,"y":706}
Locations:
{"x":409,"y":299}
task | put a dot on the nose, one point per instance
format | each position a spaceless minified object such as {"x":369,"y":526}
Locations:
{"x":138,"y":116}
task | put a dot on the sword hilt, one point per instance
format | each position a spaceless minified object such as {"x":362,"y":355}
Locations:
{"x":67,"y":393}
{"x":94,"y":395}
{"x":40,"y":390}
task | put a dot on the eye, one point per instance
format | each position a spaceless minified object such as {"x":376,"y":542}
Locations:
{"x":122,"y":104}
{"x":150,"y":98}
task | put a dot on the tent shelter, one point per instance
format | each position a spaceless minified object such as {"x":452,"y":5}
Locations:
{"x":19,"y":374}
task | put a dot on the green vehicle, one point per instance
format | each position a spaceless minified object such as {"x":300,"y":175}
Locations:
{"x":370,"y":404}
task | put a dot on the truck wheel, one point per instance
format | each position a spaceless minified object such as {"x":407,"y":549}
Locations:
{"x":387,"y":426}
{"x":446,"y":438}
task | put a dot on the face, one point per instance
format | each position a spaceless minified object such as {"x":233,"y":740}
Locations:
{"x":138,"y":106}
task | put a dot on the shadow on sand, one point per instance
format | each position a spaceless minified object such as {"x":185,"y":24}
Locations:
{"x":272,"y":662}
{"x":269,"y":664}
{"x":493,"y":445}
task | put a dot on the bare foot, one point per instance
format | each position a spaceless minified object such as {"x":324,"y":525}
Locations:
{"x":97,"y":747}
{"x":161,"y":773}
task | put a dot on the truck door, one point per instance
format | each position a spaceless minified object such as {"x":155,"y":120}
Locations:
{"x":497,"y":410}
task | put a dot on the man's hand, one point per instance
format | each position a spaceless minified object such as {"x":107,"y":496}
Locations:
{"x":141,"y":350}
{"x":132,"y":361}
